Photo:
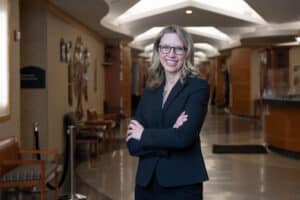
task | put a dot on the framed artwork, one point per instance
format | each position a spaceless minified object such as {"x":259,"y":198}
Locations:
{"x":77,"y":58}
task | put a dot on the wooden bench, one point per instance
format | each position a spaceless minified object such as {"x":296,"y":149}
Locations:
{"x":109,"y":120}
{"x":90,"y":134}
{"x":17,"y":172}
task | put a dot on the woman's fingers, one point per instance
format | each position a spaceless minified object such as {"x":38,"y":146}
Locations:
{"x":129,"y":134}
{"x":178,"y":124}
{"x":128,"y":138}
{"x":131,"y":126}
{"x":135,"y":130}
{"x":180,"y":120}
{"x":134,"y":124}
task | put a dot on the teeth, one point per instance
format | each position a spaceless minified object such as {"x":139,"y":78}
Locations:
{"x":171,"y":62}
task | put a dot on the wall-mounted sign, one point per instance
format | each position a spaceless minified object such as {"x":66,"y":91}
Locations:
{"x":32,"y":77}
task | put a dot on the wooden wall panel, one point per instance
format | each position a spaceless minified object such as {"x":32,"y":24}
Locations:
{"x":212,"y":76}
{"x":220,"y":82}
{"x":282,"y":127}
{"x":126,"y":81}
{"x":142,"y":74}
{"x":240,"y":81}
{"x":118,"y":79}
{"x":112,"y":80}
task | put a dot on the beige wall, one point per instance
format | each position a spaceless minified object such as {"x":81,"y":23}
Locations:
{"x":58,"y":78}
{"x":33,"y":52}
{"x":44,"y":25}
{"x":11,"y":127}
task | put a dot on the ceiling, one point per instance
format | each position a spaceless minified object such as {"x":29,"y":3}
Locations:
{"x":279,"y":22}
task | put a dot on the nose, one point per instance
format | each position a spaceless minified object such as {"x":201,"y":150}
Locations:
{"x":172,"y":52}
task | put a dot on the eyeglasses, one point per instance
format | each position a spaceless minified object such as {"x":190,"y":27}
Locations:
{"x":165,"y":49}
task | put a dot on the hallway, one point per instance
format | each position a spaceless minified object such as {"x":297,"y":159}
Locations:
{"x":232,"y":176}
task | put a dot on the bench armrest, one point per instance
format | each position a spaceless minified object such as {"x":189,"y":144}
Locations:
{"x":93,"y":127}
{"x":53,"y":152}
{"x":41,"y":151}
{"x":105,"y":116}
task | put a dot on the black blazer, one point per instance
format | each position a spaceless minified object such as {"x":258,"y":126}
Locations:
{"x":173,"y":154}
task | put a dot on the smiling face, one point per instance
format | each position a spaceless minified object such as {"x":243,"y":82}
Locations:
{"x":171,"y":54}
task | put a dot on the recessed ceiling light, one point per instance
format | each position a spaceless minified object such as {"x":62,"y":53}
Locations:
{"x":188,"y":12}
{"x":297,"y":38}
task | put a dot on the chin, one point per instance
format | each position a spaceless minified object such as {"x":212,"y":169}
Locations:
{"x":172,"y":70}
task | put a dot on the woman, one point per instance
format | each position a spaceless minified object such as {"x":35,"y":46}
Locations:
{"x":164,"y":133}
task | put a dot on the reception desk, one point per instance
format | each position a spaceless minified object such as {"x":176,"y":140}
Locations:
{"x":282,"y":123}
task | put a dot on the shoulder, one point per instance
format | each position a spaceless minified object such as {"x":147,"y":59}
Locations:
{"x":197,"y":83}
{"x":198,"y":87}
{"x":150,"y":91}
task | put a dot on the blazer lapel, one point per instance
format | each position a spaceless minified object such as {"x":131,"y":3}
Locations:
{"x":157,"y":101}
{"x":174,"y":92}
{"x":158,"y":96}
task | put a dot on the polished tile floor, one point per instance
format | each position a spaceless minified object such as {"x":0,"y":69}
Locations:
{"x":270,"y":176}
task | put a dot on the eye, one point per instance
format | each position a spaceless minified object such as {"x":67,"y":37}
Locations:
{"x":164,"y":47}
{"x":179,"y":50}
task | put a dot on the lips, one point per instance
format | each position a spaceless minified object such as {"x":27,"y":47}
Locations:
{"x":171,"y":62}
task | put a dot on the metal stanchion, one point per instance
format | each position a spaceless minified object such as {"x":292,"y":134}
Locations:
{"x":36,"y":138}
{"x":73,"y":195}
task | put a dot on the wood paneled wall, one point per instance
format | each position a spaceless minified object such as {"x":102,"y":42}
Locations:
{"x":143,"y":67}
{"x":241,"y":81}
{"x":112,"y":79}
{"x":280,"y":70}
{"x":126,"y":80}
{"x":118,"y":79}
{"x":212,"y":76}
{"x":220,"y":81}
{"x":282,"y":127}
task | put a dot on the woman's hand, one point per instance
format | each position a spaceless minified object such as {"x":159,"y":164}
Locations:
{"x":135,"y":130}
{"x":180,"y":120}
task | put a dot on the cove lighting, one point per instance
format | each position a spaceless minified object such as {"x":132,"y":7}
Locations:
{"x":145,"y":8}
{"x":206,"y":47}
{"x":151,"y":33}
{"x":198,"y":60}
{"x":146,"y":54}
{"x":200,"y":54}
{"x":149,"y":47}
{"x":296,"y":43}
{"x":234,"y":8}
{"x":209,"y":31}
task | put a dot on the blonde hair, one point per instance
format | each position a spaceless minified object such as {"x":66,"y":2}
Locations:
{"x":156,"y":75}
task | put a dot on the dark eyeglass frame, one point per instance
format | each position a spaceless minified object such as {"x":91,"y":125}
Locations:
{"x":165,"y":49}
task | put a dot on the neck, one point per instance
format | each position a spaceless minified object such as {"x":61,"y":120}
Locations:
{"x":171,"y":79}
